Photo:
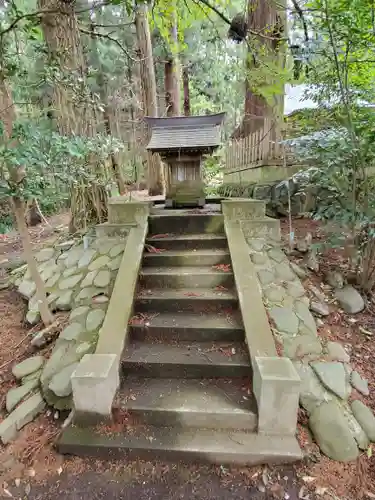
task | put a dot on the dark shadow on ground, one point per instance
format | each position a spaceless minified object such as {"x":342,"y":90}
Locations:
{"x":181,"y":483}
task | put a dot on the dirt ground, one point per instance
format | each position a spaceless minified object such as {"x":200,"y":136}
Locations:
{"x":30,"y":468}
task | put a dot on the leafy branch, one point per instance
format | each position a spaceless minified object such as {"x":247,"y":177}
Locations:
{"x":40,"y":13}
{"x":110,"y":38}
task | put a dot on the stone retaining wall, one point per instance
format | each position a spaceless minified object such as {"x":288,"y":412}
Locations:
{"x":79,"y":278}
{"x":96,"y":379}
{"x":340,"y":425}
{"x":275,"y":193}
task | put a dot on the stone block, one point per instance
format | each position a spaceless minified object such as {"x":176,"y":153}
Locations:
{"x":237,"y":209}
{"x":276,"y":386}
{"x":8,"y":430}
{"x":267,"y":228}
{"x":94,"y":383}
{"x":121,"y":211}
{"x":22,"y":415}
{"x":107,"y":230}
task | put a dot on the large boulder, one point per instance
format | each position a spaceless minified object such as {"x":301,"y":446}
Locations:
{"x":332,"y":432}
{"x":350,"y":300}
{"x":365,"y":417}
{"x":29,"y":365}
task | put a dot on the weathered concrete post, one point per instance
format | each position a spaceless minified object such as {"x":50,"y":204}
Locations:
{"x":276,"y":386}
{"x":94,"y":383}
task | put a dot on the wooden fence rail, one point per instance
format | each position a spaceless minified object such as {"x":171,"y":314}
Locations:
{"x":257,"y":148}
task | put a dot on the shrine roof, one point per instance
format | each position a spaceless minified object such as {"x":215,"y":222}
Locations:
{"x":185,"y":132}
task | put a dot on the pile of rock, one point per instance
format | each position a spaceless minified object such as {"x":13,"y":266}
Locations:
{"x":300,"y":189}
{"x":25,"y":401}
{"x":349,"y":299}
{"x":78,"y":279}
{"x":341,"y":426}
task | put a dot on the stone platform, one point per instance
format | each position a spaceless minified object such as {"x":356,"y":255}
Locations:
{"x":187,"y":363}
{"x":201,"y":343}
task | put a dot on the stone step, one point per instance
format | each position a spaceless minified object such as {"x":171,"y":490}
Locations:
{"x":186,"y":224}
{"x":198,"y":241}
{"x":186,"y":299}
{"x":187,"y":445}
{"x":185,"y":277}
{"x":186,"y":360}
{"x":188,"y":327}
{"x":172,"y":258}
{"x":205,"y":403}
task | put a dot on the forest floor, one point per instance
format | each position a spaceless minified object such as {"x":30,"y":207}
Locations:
{"x":30,"y":468}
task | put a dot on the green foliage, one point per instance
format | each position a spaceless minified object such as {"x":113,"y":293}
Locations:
{"x":6,"y":223}
{"x":51,"y":162}
{"x":336,"y":170}
{"x":342,"y":70}
{"x":345,"y":190}
{"x":307,"y":121}
{"x":212,"y":172}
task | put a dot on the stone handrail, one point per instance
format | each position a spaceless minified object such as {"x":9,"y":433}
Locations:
{"x":276,"y":383}
{"x":253,"y":313}
{"x":96,"y":379}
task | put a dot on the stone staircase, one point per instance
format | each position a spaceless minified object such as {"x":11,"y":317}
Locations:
{"x":186,"y":372}
{"x":186,"y":391}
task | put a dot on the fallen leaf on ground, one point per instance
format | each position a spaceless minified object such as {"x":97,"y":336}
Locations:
{"x":320,"y":491}
{"x":226,"y":268}
{"x":301,"y":493}
{"x":151,"y":249}
{"x":164,"y":235}
{"x":308,"y":479}
{"x":365,"y":332}
{"x":264,"y":475}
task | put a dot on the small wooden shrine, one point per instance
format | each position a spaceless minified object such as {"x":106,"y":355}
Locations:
{"x":181,"y":142}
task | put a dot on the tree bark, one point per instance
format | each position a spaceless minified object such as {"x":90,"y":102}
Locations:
{"x":154,"y":165}
{"x":7,"y":117}
{"x":72,"y":114}
{"x":261,"y":17}
{"x":41,"y":294}
{"x":172,"y":71}
{"x":169,"y":90}
{"x":33,"y":217}
{"x":101,"y":81}
{"x":185,"y":79}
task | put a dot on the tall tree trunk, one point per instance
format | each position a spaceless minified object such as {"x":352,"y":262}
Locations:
{"x":168,"y":88}
{"x":7,"y":117}
{"x":172,"y":70}
{"x":261,"y":17}
{"x":72,"y":113}
{"x":185,"y":79}
{"x":101,"y":80}
{"x":154,"y":165}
